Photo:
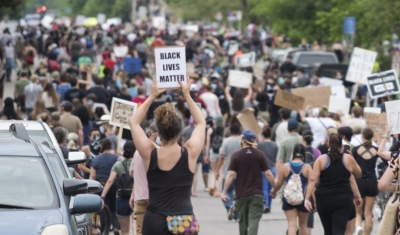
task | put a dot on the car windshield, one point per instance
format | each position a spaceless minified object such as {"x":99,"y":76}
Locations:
{"x":312,"y":59}
{"x":25,"y":182}
{"x":39,"y":137}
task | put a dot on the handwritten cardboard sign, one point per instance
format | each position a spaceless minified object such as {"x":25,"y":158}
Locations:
{"x":248,"y":121}
{"x":393,"y":116}
{"x":361,"y":65}
{"x":316,"y":96}
{"x":288,"y":100}
{"x":239,"y":78}
{"x":377,"y":122}
{"x":337,"y":103}
{"x":246,"y":60}
{"x":382,"y":84}
{"x":121,"y":112}
{"x":170,"y":66}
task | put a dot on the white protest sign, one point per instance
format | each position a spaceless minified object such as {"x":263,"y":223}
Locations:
{"x":80,"y":30}
{"x":120,"y":51}
{"x":233,"y":48}
{"x":193,"y":28}
{"x":170,"y":65}
{"x":330,"y":81}
{"x":101,"y":18}
{"x":393,"y":116}
{"x":79,"y":20}
{"x":121,"y":112}
{"x":338,"y":91}
{"x":246,"y":60}
{"x":372,"y":110}
{"x":115,"y":21}
{"x":47,"y":20}
{"x":159,"y":22}
{"x":240,"y":79}
{"x":361,"y":65}
{"x":339,"y":104}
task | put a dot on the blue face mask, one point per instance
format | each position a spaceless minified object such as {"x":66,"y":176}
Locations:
{"x":41,"y":78}
{"x":214,"y":86}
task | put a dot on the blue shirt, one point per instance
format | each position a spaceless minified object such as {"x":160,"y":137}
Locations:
{"x":103,"y":165}
{"x":62,"y":89}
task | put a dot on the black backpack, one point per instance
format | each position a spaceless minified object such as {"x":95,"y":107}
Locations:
{"x":217,"y":138}
{"x":310,"y":157}
{"x":125,"y":183}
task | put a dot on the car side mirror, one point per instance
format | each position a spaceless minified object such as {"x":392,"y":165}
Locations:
{"x":75,"y":158}
{"x":72,"y":187}
{"x":86,"y":203}
{"x":94,"y":186}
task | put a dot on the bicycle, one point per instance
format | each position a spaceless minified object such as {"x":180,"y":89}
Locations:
{"x":101,"y":221}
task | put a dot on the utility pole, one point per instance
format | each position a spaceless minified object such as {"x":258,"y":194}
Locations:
{"x":133,"y":14}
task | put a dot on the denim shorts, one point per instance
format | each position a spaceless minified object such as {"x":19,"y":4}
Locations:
{"x":123,"y":208}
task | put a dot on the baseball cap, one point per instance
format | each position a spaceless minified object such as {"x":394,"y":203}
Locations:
{"x":249,"y":137}
{"x":55,"y":116}
{"x":193,"y":87}
{"x":104,"y":119}
{"x":293,"y":124}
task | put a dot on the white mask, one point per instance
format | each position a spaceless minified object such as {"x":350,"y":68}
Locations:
{"x":158,"y":141}
{"x":102,"y":129}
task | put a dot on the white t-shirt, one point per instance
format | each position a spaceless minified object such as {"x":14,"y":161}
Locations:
{"x":212,"y":102}
{"x":281,"y":132}
{"x":318,"y":127}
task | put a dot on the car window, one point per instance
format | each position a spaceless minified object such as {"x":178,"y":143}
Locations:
{"x":39,"y":137}
{"x":25,"y":181}
{"x":312,"y":59}
{"x":56,"y":164}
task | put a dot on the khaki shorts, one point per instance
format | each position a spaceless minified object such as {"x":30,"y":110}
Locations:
{"x":138,"y":211}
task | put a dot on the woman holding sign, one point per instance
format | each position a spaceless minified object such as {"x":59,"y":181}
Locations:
{"x":170,"y":168}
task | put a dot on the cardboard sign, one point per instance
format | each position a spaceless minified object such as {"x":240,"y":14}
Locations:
{"x":170,"y":66}
{"x":383,"y":84}
{"x":377,"y":122}
{"x":120,"y":51}
{"x":121,"y":112}
{"x":331,"y":82}
{"x":393,"y":116}
{"x":240,"y":79}
{"x":372,"y":110}
{"x":246,"y":60}
{"x":132,"y":65}
{"x":339,"y":103}
{"x":338,"y":91}
{"x":288,"y":100}
{"x":361,"y":65}
{"x":316,"y":96}
{"x":248,"y":121}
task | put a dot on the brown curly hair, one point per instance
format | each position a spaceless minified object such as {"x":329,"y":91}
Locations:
{"x":169,"y":122}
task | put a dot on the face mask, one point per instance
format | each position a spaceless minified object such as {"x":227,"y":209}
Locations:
{"x":214,"y":86}
{"x":102,"y":129}
{"x":89,"y":102}
{"x":158,"y":141}
{"x":41,"y":78}
{"x":281,"y":80}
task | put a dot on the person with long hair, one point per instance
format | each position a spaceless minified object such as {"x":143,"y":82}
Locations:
{"x":122,"y":204}
{"x":366,"y":156}
{"x":294,"y":213}
{"x":237,"y":102}
{"x":39,"y":108}
{"x":50,"y":97}
{"x":9,"y":112}
{"x":170,"y":168}
{"x":83,"y":114}
{"x":334,"y":193}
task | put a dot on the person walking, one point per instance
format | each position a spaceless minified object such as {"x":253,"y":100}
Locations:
{"x":170,"y":168}
{"x":295,"y":213}
{"x":334,"y":194}
{"x":120,"y":172}
{"x":246,"y":164}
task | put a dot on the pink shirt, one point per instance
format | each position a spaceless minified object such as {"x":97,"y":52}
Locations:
{"x":140,"y":176}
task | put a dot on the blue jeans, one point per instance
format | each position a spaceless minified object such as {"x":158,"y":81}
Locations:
{"x":230,"y":194}
{"x":267,"y":188}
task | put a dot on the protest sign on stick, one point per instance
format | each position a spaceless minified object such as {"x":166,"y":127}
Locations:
{"x":248,"y":121}
{"x":121,"y":113}
{"x":170,"y":63}
{"x":239,"y":79}
{"x":377,"y":122}
{"x":393,"y":116}
{"x":383,"y":84}
{"x":288,"y":100}
{"x":361,"y":65}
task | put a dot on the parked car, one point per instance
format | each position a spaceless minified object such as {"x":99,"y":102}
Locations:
{"x":39,"y":132}
{"x":309,"y":59}
{"x":32,"y":200}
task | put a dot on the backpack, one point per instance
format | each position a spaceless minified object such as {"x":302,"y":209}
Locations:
{"x":89,"y":42}
{"x":293,"y":191}
{"x":310,"y":157}
{"x":125,"y":183}
{"x":217,"y":139}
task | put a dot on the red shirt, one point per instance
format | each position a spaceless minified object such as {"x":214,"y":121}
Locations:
{"x":139,"y":100}
{"x":109,"y":63}
{"x":105,"y":55}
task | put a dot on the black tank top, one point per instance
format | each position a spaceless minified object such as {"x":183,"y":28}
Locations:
{"x":334,"y":179}
{"x":169,"y":191}
{"x":367,"y":165}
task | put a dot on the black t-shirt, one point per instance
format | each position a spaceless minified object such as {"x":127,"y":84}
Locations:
{"x":101,"y":93}
{"x":74,"y":93}
{"x":152,"y":108}
{"x":248,"y":163}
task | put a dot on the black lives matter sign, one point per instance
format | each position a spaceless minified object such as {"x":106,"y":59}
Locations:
{"x":170,"y":66}
{"x":383,"y":84}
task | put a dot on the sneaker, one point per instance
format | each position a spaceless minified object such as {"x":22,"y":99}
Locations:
{"x":267,"y":210}
{"x":211,"y":191}
{"x":206,"y":190}
{"x":359,"y":230}
{"x":231,"y":213}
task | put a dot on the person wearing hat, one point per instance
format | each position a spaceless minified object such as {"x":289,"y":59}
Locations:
{"x":246,"y":165}
{"x":55,"y":120}
{"x":287,"y":145}
{"x":107,"y":129}
{"x":71,"y":122}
